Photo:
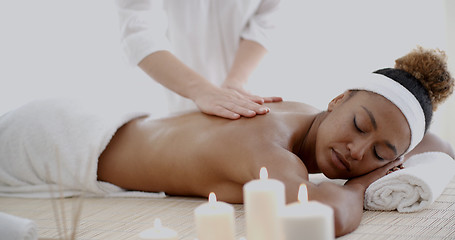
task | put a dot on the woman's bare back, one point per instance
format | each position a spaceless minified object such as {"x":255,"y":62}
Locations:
{"x":194,"y":154}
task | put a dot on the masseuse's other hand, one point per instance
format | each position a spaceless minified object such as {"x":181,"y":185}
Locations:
{"x":254,"y":98}
{"x":230,"y":103}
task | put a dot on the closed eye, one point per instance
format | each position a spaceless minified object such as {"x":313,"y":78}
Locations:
{"x":377,"y":155}
{"x":357,"y":126}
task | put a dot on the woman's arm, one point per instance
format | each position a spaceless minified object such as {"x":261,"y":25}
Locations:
{"x":347,"y":200}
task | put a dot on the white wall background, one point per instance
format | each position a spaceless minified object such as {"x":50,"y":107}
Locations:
{"x":447,"y":113}
{"x":54,"y":48}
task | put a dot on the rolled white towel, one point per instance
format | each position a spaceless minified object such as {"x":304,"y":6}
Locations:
{"x":17,"y":228}
{"x":413,"y":188}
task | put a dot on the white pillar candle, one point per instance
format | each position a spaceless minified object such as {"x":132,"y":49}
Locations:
{"x":263,"y":199}
{"x":307,"y":219}
{"x":215,"y":220}
{"x":158,"y":232}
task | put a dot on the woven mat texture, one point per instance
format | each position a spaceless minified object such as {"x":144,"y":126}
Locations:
{"x":125,"y":218}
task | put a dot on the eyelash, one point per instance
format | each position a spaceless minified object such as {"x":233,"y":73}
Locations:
{"x":357,"y":127}
{"x":376,"y":155}
{"x":374,"y":149}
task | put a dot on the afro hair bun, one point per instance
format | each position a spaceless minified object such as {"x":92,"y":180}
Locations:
{"x":429,"y":66}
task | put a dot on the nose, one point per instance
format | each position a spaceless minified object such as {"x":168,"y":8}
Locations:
{"x":357,"y":149}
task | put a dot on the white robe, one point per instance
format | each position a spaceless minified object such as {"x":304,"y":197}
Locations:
{"x":203,"y":34}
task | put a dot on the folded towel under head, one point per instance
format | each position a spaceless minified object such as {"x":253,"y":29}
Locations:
{"x":17,"y":228}
{"x":50,"y":148}
{"x":413,"y":188}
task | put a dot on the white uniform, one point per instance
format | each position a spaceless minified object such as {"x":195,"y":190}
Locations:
{"x":204,"y":34}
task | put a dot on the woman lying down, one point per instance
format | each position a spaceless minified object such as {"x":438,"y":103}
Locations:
{"x":364,"y":132}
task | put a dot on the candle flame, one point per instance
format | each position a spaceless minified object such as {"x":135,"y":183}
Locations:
{"x":263,"y":174}
{"x":212,"y":197}
{"x":303,"y":193}
{"x":157,"y":223}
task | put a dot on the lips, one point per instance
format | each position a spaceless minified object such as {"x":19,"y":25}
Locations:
{"x":340,"y":162}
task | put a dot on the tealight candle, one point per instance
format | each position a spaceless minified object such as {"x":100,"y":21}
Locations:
{"x":307,"y":219}
{"x":158,"y":232}
{"x":263,"y":199}
{"x":215,"y":220}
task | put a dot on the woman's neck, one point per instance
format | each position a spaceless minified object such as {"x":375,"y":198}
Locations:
{"x":307,"y":149}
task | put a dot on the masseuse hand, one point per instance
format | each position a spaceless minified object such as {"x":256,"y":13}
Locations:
{"x":232,"y":103}
{"x":257,"y":99}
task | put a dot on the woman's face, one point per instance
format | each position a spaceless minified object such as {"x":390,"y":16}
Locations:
{"x":360,"y":134}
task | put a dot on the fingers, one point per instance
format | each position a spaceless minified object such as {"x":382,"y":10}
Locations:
{"x":397,"y":163}
{"x":376,"y":174}
{"x":261,"y":100}
{"x":255,"y":98}
{"x":384,"y":170}
{"x":395,"y":169}
{"x":272,"y":99}
{"x":243,"y":108}
{"x":394,"y":166}
{"x":230,"y":104}
{"x":251,"y":97}
{"x":224,"y":113}
{"x":258,"y":100}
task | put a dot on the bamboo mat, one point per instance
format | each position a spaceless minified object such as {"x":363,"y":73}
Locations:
{"x":125,"y":218}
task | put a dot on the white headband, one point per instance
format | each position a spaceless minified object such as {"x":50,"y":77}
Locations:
{"x":403,"y":99}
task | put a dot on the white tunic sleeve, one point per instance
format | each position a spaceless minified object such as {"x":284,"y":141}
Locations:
{"x":143,"y":26}
{"x":262,"y":23}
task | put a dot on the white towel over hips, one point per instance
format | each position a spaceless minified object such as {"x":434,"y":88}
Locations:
{"x":53,"y":141}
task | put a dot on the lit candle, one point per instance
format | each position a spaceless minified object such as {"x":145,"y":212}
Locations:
{"x":307,"y":219}
{"x":263,"y":199}
{"x":215,"y":220}
{"x":158,"y":232}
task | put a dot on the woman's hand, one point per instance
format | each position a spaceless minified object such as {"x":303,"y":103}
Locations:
{"x":369,"y":178}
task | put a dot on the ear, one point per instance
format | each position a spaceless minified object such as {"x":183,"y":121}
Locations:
{"x":337,"y":101}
